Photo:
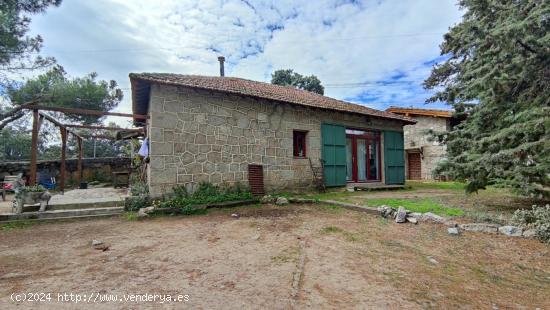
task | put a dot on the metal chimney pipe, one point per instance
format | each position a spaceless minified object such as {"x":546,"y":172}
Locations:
{"x":221,"y":59}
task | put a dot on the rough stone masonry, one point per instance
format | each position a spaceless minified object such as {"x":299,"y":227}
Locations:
{"x":199,"y":135}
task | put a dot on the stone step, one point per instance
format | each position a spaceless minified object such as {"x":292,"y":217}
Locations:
{"x":75,"y":206}
{"x":62,"y":214}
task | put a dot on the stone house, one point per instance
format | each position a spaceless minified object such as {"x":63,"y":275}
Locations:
{"x":216,"y":129}
{"x":422,"y":153}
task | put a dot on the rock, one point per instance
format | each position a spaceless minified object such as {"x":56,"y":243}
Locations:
{"x":267,"y":199}
{"x":511,"y":231}
{"x":235,"y":215}
{"x":480,"y":227}
{"x":281,"y":201}
{"x":412,"y":220}
{"x":451,"y":224}
{"x":432,"y":260}
{"x":350,"y":189}
{"x":453,"y":231}
{"x":144,"y":212}
{"x":387,"y":211}
{"x":431,"y":217}
{"x":416,"y":215}
{"x":256,"y":237}
{"x":529,"y":233}
{"x":401,"y":216}
{"x":99,"y":245}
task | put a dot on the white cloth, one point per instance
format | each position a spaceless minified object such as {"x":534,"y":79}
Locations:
{"x":144,"y":149}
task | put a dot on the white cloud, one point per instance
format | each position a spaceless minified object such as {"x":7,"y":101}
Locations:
{"x":339,"y":41}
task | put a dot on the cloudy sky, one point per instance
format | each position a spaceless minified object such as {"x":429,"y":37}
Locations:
{"x":372,"y":52}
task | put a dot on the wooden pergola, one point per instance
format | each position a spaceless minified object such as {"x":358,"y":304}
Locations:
{"x":65,"y":131}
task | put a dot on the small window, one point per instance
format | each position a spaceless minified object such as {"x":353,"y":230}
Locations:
{"x":299,"y":143}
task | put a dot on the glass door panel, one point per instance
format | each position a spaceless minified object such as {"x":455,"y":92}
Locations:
{"x":361,"y":160}
{"x":373,"y":161}
{"x":349,"y":159}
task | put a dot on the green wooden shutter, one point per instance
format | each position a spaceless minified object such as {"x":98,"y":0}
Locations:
{"x":394,"y":157}
{"x":333,"y":139}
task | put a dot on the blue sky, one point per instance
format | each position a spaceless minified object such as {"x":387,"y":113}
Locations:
{"x":375,"y":52}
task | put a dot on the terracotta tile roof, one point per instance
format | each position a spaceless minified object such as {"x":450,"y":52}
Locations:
{"x":417,"y":111}
{"x":260,"y":90}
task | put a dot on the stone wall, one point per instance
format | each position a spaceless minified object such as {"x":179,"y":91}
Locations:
{"x":211,"y":136}
{"x":93,"y":169}
{"x":416,"y":136}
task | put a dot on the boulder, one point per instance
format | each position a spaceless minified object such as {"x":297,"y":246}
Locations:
{"x":412,"y":220}
{"x":350,"y":189}
{"x":267,"y":199}
{"x":416,"y":215}
{"x":453,"y":231}
{"x":401,"y":216}
{"x":99,"y":245}
{"x":387,"y":211}
{"x":431,"y":217}
{"x":511,"y":231}
{"x":451,"y":224}
{"x":529,"y":233}
{"x":281,"y":201}
{"x":480,"y":227}
{"x":235,"y":215}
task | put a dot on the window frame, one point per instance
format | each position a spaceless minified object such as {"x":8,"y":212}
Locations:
{"x":295,"y":150}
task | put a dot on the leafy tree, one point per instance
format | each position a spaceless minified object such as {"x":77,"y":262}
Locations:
{"x":498,"y":73}
{"x":55,"y":88}
{"x":14,"y":144}
{"x":17,"y":50}
{"x":288,"y":77}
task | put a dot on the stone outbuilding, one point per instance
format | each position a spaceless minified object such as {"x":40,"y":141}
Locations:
{"x":225,"y":130}
{"x":422,"y":153}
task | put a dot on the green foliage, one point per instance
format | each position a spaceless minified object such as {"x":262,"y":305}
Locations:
{"x":16,"y":47}
{"x":417,"y":205}
{"x":331,"y":229}
{"x":131,"y":216}
{"x":458,"y":186}
{"x":497,"y":74}
{"x":55,"y":88}
{"x":16,"y":225}
{"x":206,"y":193}
{"x":290,"y":78}
{"x":139,"y":189}
{"x":180,"y":191}
{"x":14,"y":144}
{"x":537,"y":218}
{"x":134,"y":203}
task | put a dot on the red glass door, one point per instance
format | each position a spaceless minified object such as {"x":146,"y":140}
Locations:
{"x":363,"y":157}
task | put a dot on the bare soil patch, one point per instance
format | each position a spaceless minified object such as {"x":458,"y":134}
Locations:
{"x":275,"y":257}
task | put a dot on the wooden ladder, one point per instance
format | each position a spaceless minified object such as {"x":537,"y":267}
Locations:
{"x":318,"y":178}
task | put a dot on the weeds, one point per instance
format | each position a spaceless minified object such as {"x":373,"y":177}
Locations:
{"x":16,"y":225}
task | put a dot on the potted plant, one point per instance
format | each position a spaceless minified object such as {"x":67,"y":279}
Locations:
{"x":30,"y":195}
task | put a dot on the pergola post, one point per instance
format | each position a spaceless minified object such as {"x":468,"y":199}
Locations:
{"x":79,"y":160}
{"x":34,"y":146}
{"x":63,"y":157}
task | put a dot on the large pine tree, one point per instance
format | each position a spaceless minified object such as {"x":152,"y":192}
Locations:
{"x":498,"y":73}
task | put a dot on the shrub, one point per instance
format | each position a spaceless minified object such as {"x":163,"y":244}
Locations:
{"x":180,"y":191}
{"x":134,"y":203}
{"x":204,"y":194}
{"x":537,"y":218}
{"x":139,"y":189}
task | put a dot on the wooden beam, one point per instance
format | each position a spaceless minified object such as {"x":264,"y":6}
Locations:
{"x":103,"y":128}
{"x":83,"y":111}
{"x":34,"y":146}
{"x":58,"y":124}
{"x":63,"y":157}
{"x":79,"y":140}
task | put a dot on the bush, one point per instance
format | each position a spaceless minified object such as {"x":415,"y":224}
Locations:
{"x":205,"y":193}
{"x":537,"y":218}
{"x":134,"y":203}
{"x":139,"y":189}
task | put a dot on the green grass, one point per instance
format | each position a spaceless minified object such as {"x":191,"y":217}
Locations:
{"x":417,"y":205}
{"x":458,"y":186}
{"x":16,"y":225}
{"x":331,"y":229}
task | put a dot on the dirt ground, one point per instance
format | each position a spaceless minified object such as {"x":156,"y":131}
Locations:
{"x":273,"y":257}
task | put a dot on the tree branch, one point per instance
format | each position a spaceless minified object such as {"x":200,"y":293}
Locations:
{"x":526,"y":47}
